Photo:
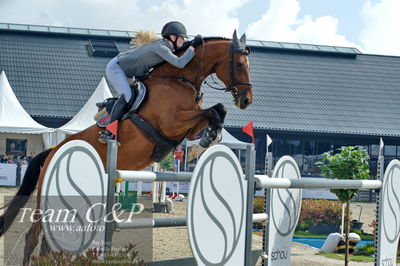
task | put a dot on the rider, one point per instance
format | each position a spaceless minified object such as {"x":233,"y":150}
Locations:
{"x":139,"y":60}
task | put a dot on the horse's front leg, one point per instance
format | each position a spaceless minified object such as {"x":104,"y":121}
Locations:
{"x":216,"y":123}
{"x":193,"y":121}
{"x":197,"y":120}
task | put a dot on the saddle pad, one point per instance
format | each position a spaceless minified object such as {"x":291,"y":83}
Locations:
{"x":141,"y":92}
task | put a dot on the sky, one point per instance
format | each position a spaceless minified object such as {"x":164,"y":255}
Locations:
{"x":372,"y":26}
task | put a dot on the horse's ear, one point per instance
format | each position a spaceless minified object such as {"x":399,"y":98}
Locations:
{"x":235,"y":41}
{"x":234,"y":38}
{"x":243,"y":39}
{"x":236,"y":44}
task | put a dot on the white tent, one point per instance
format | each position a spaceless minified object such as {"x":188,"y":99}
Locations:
{"x":84,"y":118}
{"x":227,"y":140}
{"x":13,"y":117}
{"x":19,"y":133}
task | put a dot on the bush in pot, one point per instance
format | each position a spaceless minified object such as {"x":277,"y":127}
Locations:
{"x":349,"y":163}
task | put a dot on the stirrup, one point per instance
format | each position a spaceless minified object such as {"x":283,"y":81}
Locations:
{"x":105,"y":136}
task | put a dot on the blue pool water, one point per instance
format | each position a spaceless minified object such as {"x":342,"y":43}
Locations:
{"x":318,"y":242}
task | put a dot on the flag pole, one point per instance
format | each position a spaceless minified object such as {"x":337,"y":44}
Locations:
{"x":268,"y":155}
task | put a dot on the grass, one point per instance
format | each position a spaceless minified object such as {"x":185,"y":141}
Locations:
{"x":307,"y":234}
{"x":351,"y":257}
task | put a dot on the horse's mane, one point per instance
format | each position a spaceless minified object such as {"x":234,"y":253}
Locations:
{"x":205,"y":39}
{"x":186,"y":45}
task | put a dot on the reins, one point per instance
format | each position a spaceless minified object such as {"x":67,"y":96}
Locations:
{"x":232,"y":88}
{"x":199,"y":94}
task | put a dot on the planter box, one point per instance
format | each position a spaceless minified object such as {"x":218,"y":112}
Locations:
{"x":323,"y":229}
{"x":355,"y":225}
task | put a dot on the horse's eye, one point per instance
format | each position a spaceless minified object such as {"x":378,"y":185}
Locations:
{"x":239,"y":64}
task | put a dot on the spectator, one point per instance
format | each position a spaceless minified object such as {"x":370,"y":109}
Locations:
{"x":4,"y":158}
{"x":178,"y":155}
{"x":16,"y":159}
{"x":29,"y":159}
{"x":11,"y":159}
{"x":22,"y":160}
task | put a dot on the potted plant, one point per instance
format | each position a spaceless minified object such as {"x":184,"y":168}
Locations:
{"x":349,"y":163}
{"x":320,"y":216}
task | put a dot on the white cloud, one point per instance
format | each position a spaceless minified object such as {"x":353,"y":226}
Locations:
{"x":207,"y":17}
{"x":282,"y":23}
{"x":382,"y":23}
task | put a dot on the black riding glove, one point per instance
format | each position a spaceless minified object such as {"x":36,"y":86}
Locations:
{"x":197,"y":41}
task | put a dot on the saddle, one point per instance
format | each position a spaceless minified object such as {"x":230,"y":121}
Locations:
{"x":105,"y":107}
{"x":163,"y":145}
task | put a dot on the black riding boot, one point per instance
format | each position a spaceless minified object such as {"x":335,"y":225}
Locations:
{"x":116,"y":114}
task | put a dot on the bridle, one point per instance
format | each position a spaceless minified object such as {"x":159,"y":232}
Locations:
{"x":233,"y":82}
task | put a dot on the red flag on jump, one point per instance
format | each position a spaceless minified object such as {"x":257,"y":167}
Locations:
{"x":248,"y":129}
{"x":113,"y":128}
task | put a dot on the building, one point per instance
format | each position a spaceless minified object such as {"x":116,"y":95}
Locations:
{"x":308,"y":98}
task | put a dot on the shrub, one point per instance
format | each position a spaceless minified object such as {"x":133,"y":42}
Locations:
{"x":258,"y":207}
{"x":258,"y":204}
{"x":167,"y":163}
{"x":125,"y":256}
{"x":366,"y":250}
{"x":320,"y":212}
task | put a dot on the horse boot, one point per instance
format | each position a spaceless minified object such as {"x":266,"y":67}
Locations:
{"x":211,"y":133}
{"x":116,"y":113}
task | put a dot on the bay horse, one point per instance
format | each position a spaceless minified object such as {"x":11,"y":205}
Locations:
{"x":172,"y":107}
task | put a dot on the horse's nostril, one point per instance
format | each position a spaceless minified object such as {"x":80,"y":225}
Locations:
{"x":247,"y":101}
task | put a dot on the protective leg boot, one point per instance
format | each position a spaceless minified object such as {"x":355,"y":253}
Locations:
{"x":210,"y":134}
{"x":116,"y":114}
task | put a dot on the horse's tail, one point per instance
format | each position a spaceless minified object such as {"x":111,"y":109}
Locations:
{"x":28,"y":185}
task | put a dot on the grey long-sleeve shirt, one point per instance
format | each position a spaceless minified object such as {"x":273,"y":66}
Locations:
{"x":139,"y":60}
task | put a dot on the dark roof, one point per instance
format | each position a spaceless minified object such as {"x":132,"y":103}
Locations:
{"x":321,"y":93}
{"x":304,"y":90}
{"x":52,"y":75}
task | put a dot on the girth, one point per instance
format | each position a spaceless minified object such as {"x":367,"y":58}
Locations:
{"x":163,"y":144}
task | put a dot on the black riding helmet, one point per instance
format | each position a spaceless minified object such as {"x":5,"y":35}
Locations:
{"x":173,"y":28}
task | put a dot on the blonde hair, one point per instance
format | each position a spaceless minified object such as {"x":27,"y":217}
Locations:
{"x":144,"y":37}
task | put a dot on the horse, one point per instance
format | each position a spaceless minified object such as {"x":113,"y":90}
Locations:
{"x":172,"y":107}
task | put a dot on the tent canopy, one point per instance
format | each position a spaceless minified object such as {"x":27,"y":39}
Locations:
{"x":13,"y":117}
{"x":84,"y":118}
{"x":227,"y":140}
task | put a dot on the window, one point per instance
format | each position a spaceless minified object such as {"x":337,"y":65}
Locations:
{"x":390,"y":150}
{"x":374,"y":152}
{"x":324,"y":147}
{"x":103,"y":48}
{"x":310,"y":147}
{"x":16,"y":147}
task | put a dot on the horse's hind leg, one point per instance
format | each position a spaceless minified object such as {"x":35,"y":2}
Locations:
{"x":31,"y":240}
{"x":44,"y":247}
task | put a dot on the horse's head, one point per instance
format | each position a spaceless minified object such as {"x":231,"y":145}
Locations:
{"x":234,"y":72}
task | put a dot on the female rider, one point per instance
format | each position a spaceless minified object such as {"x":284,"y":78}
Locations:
{"x":139,"y":60}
